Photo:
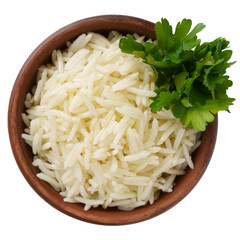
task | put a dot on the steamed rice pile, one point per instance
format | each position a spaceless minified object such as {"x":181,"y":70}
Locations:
{"x":92,"y":133}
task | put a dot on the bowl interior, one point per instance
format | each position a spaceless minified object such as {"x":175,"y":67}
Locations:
{"x":23,"y":154}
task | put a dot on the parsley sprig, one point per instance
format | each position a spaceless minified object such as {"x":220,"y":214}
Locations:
{"x":191,"y":77}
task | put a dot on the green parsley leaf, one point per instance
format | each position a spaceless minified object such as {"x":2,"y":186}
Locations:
{"x":198,"y":116}
{"x":191,"y":77}
{"x":180,"y":80}
{"x":129,"y":45}
{"x":164,"y":99}
{"x":164,"y":35}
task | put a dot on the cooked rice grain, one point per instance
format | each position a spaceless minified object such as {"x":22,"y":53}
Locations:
{"x":91,"y":130}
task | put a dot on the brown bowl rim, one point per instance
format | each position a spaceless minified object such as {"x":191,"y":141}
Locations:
{"x":126,"y":24}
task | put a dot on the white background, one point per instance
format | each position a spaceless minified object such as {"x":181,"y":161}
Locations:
{"x":210,"y":211}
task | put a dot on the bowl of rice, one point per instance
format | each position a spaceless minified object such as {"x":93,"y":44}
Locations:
{"x":82,"y":132}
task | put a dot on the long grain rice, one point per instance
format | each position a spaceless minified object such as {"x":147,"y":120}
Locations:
{"x":91,"y":130}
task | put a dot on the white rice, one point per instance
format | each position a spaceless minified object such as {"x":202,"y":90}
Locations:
{"x":91,"y":130}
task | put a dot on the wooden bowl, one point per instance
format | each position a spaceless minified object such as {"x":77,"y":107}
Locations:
{"x":23,"y":154}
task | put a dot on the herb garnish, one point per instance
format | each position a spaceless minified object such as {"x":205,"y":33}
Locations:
{"x":191,"y":77}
